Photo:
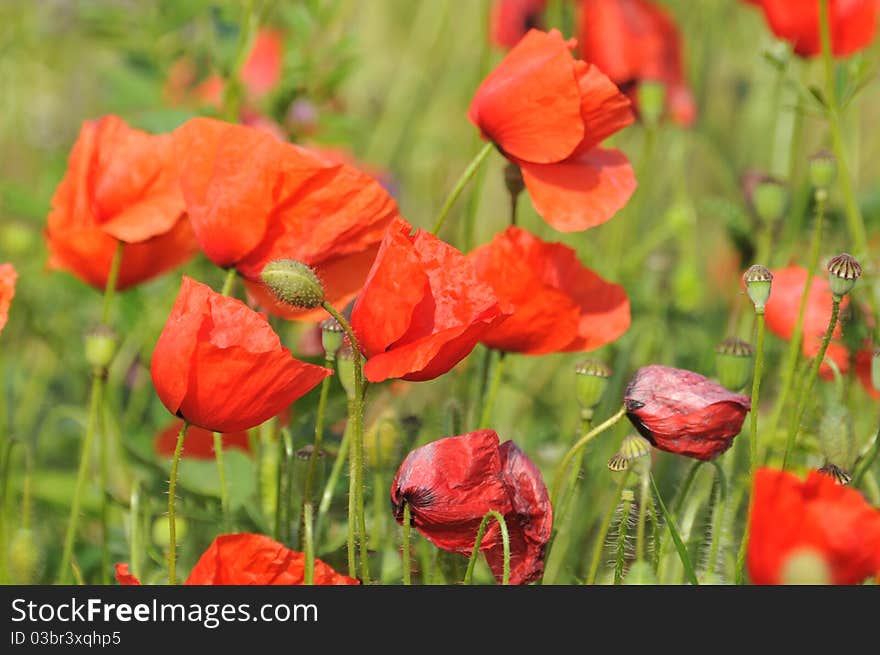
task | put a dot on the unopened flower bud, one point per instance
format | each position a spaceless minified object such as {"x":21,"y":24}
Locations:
{"x":513,"y":179}
{"x":345,"y":368}
{"x":634,"y":448}
{"x":758,"y":279}
{"x":383,"y":440}
{"x":843,"y":271}
{"x":733,"y":362}
{"x":640,"y":573}
{"x":823,"y":169}
{"x":100,"y":347}
{"x":770,"y":198}
{"x":591,"y":380}
{"x":332,"y":335}
{"x":805,"y":567}
{"x":293,"y":283}
{"x":651,"y":99}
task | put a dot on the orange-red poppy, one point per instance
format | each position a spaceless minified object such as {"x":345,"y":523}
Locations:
{"x":818,"y":517}
{"x":510,"y":20}
{"x":8,"y":277}
{"x":287,"y":203}
{"x":547,"y":113}
{"x":219,"y":365}
{"x":249,"y":559}
{"x":423,"y":307}
{"x":853,"y":24}
{"x":122,"y":185}
{"x":559,"y":305}
{"x":198,"y":442}
{"x":634,"y":41}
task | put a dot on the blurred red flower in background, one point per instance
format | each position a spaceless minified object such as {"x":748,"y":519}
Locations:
{"x":198,"y":442}
{"x":423,"y":307}
{"x":219,"y":365}
{"x":250,"y":559}
{"x":558,"y":304}
{"x":632,"y":41}
{"x":121,"y":184}
{"x":547,"y":113}
{"x":817,"y":516}
{"x":510,"y":20}
{"x":683,"y":412}
{"x":8,"y":277}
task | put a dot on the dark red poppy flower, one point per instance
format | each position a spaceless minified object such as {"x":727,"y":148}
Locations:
{"x":853,"y":24}
{"x":547,"y":113}
{"x":782,"y":311}
{"x":249,"y":559}
{"x":219,"y":365}
{"x":198,"y":442}
{"x":633,"y":41}
{"x":558,"y":304}
{"x":683,"y":412}
{"x":452,"y":483}
{"x":8,"y":277}
{"x":287,"y":203}
{"x":423,"y":307}
{"x":510,"y":20}
{"x":818,"y":517}
{"x":120,"y":185}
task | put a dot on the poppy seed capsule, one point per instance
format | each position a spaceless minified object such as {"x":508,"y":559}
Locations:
{"x":770,"y":198}
{"x":823,"y":169}
{"x":331,"y":336}
{"x":591,"y":380}
{"x":843,"y":271}
{"x":651,"y":100}
{"x":100,"y":347}
{"x":634,"y":448}
{"x":758,"y":279}
{"x":513,"y":179}
{"x":293,"y":283}
{"x":733,"y":362}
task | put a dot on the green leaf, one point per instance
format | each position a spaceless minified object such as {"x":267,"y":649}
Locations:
{"x":676,"y":538}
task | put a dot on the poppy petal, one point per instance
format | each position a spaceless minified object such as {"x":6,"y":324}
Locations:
{"x":604,"y":109}
{"x":8,"y":277}
{"x":123,"y":577}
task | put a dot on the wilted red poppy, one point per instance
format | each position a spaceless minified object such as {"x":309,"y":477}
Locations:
{"x":782,"y":311}
{"x":633,"y":41}
{"x":547,"y":113}
{"x":510,"y":20}
{"x":819,"y":517}
{"x":423,"y":307}
{"x":120,"y":185}
{"x":683,"y":412}
{"x":558,"y":304}
{"x":452,"y":483}
{"x":853,"y":23}
{"x":219,"y":365}
{"x":250,"y":559}
{"x":8,"y":276}
{"x":198,"y":442}
{"x":287,"y":203}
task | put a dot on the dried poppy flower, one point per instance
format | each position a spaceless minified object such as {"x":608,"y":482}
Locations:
{"x":510,"y":20}
{"x":683,"y":412}
{"x":558,"y":304}
{"x":547,"y":113}
{"x":423,"y":307}
{"x":633,"y":41}
{"x":249,"y":559}
{"x":198,"y":442}
{"x":853,"y":23}
{"x":452,"y":483}
{"x":219,"y":365}
{"x":120,"y":185}
{"x":782,"y":311}
{"x":287,"y":203}
{"x":818,"y":516}
{"x":8,"y":276}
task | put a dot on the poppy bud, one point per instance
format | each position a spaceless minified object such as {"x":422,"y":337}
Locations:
{"x":651,"y":100}
{"x":293,"y":283}
{"x":758,"y":279}
{"x":633,"y":448}
{"x":733,"y":362}
{"x":843,"y":271}
{"x":640,"y":573}
{"x":331,"y":336}
{"x":805,"y":567}
{"x":513,"y":179}
{"x":823,"y":169}
{"x":590,"y":382}
{"x":345,"y":368}
{"x":836,"y":436}
{"x":382,"y":441}
{"x":770,"y":198}
{"x":875,"y":369}
{"x":100,"y":347}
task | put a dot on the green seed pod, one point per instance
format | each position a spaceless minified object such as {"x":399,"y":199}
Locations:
{"x":843,"y":271}
{"x":805,"y":567}
{"x":513,"y":179}
{"x":758,"y":280}
{"x":293,"y":283}
{"x":770,"y":199}
{"x":823,"y":169}
{"x":161,"y":537}
{"x":591,"y":380}
{"x":733,"y":363}
{"x":100,"y":347}
{"x":345,"y":369}
{"x":640,"y":573}
{"x":332,"y":336}
{"x":634,"y":453}
{"x":23,"y":557}
{"x":383,"y":440}
{"x":651,"y":100}
{"x":836,"y":438}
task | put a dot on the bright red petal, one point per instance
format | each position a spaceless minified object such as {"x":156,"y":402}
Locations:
{"x":123,"y":577}
{"x":604,"y":109}
{"x":262,"y":68}
{"x":8,"y":276}
{"x":198,"y":442}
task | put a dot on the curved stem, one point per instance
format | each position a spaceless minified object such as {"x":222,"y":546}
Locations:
{"x":489,"y":404}
{"x":720,"y":505}
{"x":460,"y":184}
{"x":335,"y":472}
{"x":505,"y":540}
{"x":229,"y":281}
{"x":644,"y":493}
{"x":867,"y":461}
{"x":756,"y":389}
{"x":603,"y":530}
{"x":221,"y":473}
{"x":309,"y":544}
{"x":676,"y":537}
{"x":407,"y":532}
{"x":678,"y":503}
{"x":172,"y":525}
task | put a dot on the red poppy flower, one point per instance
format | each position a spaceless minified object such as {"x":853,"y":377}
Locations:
{"x":782,"y":311}
{"x":558,"y":304}
{"x":423,"y":307}
{"x":249,"y":559}
{"x":120,"y":185}
{"x":198,"y":442}
{"x":452,"y":483}
{"x":8,"y":276}
{"x":219,"y":365}
{"x":853,"y":23}
{"x":510,"y":20}
{"x":817,"y":516}
{"x":632,"y":41}
{"x":287,"y":203}
{"x":683,"y":412}
{"x":547,"y":113}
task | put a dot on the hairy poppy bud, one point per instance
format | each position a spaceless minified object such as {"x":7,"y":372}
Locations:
{"x":683,"y":412}
{"x":331,"y":336}
{"x":513,"y":179}
{"x":651,"y":100}
{"x":758,"y":279}
{"x":345,"y":368}
{"x":100,"y":347}
{"x":733,"y":362}
{"x":843,"y":271}
{"x":770,"y":199}
{"x":823,"y":169}
{"x":293,"y":283}
{"x":634,"y":448}
{"x":591,"y":380}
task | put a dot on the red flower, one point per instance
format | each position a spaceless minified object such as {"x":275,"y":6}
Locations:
{"x":853,"y":23}
{"x":558,"y":304}
{"x":219,"y":365}
{"x":510,"y":20}
{"x":287,"y":203}
{"x":121,"y":185}
{"x":683,"y":412}
{"x":423,"y":307}
{"x":8,"y":276}
{"x":782,"y":311}
{"x":632,"y":41}
{"x":452,"y":483}
{"x":817,"y":516}
{"x":548,"y":113}
{"x":198,"y":442}
{"x":249,"y":559}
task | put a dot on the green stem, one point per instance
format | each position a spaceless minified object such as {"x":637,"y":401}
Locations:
{"x":319,"y":430}
{"x":229,"y":281}
{"x":407,"y":534}
{"x":112,"y":278}
{"x":514,"y":197}
{"x":281,"y":464}
{"x":172,"y":525}
{"x":104,"y":476}
{"x":489,"y":404}
{"x":644,"y":494}
{"x":309,"y":544}
{"x":623,"y":528}
{"x":135,"y":518}
{"x":603,"y":530}
{"x":867,"y":461}
{"x":232,"y":88}
{"x":720,"y":504}
{"x":224,"y":491}
{"x":676,"y":537}
{"x":460,"y":184}
{"x":335,"y":472}
{"x":289,"y":485}
{"x":756,"y":389}
{"x":505,"y":539}
{"x":678,"y":503}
